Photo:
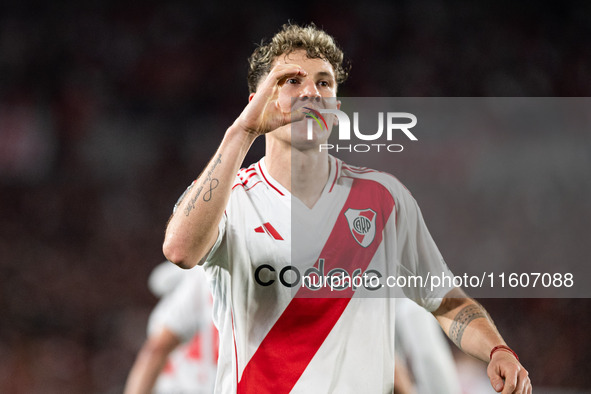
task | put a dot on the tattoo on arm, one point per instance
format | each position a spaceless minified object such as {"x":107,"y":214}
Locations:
{"x":213,"y":183}
{"x":191,"y":204}
{"x":461,"y":321}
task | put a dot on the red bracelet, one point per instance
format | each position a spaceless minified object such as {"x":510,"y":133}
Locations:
{"x":505,"y":348}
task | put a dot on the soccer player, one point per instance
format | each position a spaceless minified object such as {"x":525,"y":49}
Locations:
{"x":180,"y":353}
{"x":421,"y":342}
{"x":254,"y":230}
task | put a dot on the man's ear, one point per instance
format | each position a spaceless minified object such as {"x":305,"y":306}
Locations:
{"x":336,"y":118}
{"x":250,"y":97}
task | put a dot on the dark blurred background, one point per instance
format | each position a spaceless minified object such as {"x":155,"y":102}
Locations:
{"x":109,"y":110}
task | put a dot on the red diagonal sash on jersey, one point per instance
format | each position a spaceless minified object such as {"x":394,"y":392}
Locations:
{"x":294,"y":339}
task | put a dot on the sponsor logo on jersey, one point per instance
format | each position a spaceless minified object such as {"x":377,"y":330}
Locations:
{"x":362,"y":223}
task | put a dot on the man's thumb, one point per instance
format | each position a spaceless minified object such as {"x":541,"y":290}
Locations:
{"x":497,"y":383}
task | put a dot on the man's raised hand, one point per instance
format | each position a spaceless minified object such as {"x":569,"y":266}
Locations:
{"x":264,"y":113}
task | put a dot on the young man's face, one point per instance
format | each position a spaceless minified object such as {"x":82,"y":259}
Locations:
{"x":318,"y":89}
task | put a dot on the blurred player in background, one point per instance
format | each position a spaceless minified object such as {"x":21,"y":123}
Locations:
{"x":237,"y":224}
{"x":421,"y":344}
{"x":180,"y":353}
{"x":403,"y":380}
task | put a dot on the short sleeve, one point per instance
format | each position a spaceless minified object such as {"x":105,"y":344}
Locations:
{"x":419,"y":258}
{"x":215,"y":249}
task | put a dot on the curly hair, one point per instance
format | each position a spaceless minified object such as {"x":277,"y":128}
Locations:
{"x":316,"y":42}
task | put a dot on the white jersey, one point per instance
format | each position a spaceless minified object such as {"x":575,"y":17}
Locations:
{"x":322,"y":340}
{"x":187,"y":312}
{"x":420,"y":340}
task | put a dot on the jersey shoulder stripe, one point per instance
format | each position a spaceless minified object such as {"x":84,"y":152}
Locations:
{"x":337,"y":173}
{"x":247,"y":178}
{"x":252,"y":176}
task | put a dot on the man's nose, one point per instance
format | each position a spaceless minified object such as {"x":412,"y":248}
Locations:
{"x":310,"y":91}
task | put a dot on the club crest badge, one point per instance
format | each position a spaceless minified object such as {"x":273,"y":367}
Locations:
{"x":362,"y":223}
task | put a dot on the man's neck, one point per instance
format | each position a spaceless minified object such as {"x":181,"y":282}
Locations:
{"x":303,"y":173}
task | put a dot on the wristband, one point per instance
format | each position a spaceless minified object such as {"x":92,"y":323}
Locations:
{"x":505,"y":348}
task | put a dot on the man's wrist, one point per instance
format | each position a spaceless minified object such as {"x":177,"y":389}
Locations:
{"x":236,"y":129}
{"x":240,"y":135}
{"x":503,"y":348}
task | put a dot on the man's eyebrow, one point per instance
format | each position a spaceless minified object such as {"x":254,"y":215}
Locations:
{"x":324,"y":74}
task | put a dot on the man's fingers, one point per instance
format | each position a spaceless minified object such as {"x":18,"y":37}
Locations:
{"x":523,"y":382}
{"x":268,"y":91}
{"x":506,"y":385}
{"x":294,"y":116}
{"x":507,"y":374}
{"x":497,"y":384}
{"x":510,"y":382}
{"x":279,"y":73}
{"x":263,"y":112}
{"x":496,"y":381}
{"x":517,"y":382}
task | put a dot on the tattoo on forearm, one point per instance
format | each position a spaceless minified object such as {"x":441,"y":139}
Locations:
{"x":191,"y":204}
{"x":213,"y":183}
{"x":461,"y":321}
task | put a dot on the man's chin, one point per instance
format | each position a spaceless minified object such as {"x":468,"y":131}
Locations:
{"x":306,"y":146}
{"x":301,"y":142}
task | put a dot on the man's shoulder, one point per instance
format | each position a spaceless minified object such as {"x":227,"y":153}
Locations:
{"x":247,"y":177}
{"x":387,"y":180}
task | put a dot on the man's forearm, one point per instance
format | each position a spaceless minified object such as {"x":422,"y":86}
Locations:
{"x":193,"y":227}
{"x":150,"y":362}
{"x":468,"y":325}
{"x":144,"y":373}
